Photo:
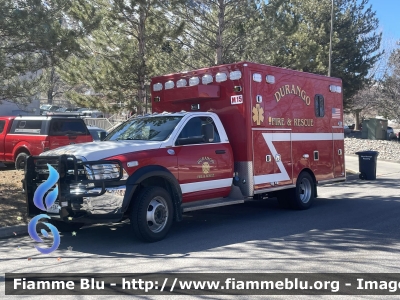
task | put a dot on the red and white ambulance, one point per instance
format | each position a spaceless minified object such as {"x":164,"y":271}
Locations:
{"x":217,"y":136}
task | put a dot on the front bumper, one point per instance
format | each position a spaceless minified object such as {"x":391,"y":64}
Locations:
{"x":79,"y":199}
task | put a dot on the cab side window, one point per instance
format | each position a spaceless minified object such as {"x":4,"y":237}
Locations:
{"x":198,"y":130}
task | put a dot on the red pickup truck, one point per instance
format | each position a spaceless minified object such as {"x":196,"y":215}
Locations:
{"x":31,"y":135}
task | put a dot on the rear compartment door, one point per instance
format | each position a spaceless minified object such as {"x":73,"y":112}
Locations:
{"x":338,"y":151}
{"x":64,"y":132}
{"x":272,"y":158}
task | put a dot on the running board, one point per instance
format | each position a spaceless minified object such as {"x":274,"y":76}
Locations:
{"x":204,"y":204}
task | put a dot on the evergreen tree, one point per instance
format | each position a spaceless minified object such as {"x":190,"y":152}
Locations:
{"x":354,"y":45}
{"x":124,"y":54}
{"x":226,"y":31}
{"x":32,"y":38}
{"x":389,"y":99}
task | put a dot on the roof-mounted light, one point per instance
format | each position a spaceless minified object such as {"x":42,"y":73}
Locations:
{"x":270,"y":79}
{"x":157,"y":87}
{"x":221,"y":77}
{"x":257,"y":77}
{"x":206,"y":79}
{"x":335,"y":89}
{"x":169,"y":85}
{"x":194,"y":81}
{"x":235,"y":75}
{"x":181,"y":83}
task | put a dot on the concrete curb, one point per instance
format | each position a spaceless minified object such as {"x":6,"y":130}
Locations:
{"x":9,"y":231}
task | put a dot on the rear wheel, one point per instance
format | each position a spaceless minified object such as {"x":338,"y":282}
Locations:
{"x":304,"y":193}
{"x":152,"y":214}
{"x":66,"y":227}
{"x":20,"y":161}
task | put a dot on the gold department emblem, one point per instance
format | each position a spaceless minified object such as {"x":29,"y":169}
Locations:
{"x":205,"y":167}
{"x":258,"y":114}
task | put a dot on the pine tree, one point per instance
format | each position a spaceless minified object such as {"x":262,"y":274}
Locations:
{"x":226,"y":31}
{"x":123,"y":54}
{"x":354,"y":45}
{"x":33,"y":38}
{"x":390,"y":88}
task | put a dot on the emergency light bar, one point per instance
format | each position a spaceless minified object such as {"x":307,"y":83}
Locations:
{"x":206,"y":79}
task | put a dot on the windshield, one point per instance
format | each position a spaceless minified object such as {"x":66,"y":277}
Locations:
{"x":147,"y":128}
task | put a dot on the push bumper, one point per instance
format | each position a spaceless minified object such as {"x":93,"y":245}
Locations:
{"x":81,"y":197}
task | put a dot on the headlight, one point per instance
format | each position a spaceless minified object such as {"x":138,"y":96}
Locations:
{"x":104,"y":171}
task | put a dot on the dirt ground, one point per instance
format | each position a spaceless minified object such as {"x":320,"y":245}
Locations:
{"x":12,"y":200}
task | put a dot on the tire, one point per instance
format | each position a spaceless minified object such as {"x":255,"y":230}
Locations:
{"x":20,"y":161}
{"x":302,"y":196}
{"x":66,"y":227}
{"x":152,"y":214}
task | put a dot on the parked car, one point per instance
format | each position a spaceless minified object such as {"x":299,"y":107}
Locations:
{"x":48,"y":108}
{"x":31,"y":135}
{"x":90,"y":113}
{"x":390,"y":133}
{"x":97,"y":133}
{"x":73,"y":109}
{"x":347,"y":129}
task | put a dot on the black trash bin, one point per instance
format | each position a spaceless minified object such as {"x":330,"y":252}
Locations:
{"x":367,"y":164}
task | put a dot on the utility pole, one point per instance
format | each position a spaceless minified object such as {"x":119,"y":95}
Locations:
{"x":330,"y":43}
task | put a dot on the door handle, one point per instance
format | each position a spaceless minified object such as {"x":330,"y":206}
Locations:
{"x":220,"y":151}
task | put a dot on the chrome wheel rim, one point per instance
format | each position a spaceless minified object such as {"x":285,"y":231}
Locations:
{"x":305,"y":190}
{"x":157,"y":214}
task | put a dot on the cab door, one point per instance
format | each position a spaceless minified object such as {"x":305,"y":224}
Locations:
{"x":3,"y":131}
{"x":205,"y":166}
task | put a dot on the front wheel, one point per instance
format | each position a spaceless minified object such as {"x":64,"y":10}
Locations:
{"x":152,"y":214}
{"x":20,"y":161}
{"x":304,"y":193}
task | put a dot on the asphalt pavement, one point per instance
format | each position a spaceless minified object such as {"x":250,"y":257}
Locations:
{"x":352,"y":227}
{"x":384,"y":168}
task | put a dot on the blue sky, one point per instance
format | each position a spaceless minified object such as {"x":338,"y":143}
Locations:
{"x":388,"y":13}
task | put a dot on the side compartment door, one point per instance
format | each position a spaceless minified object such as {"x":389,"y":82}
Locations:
{"x":272,"y":158}
{"x":205,"y":166}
